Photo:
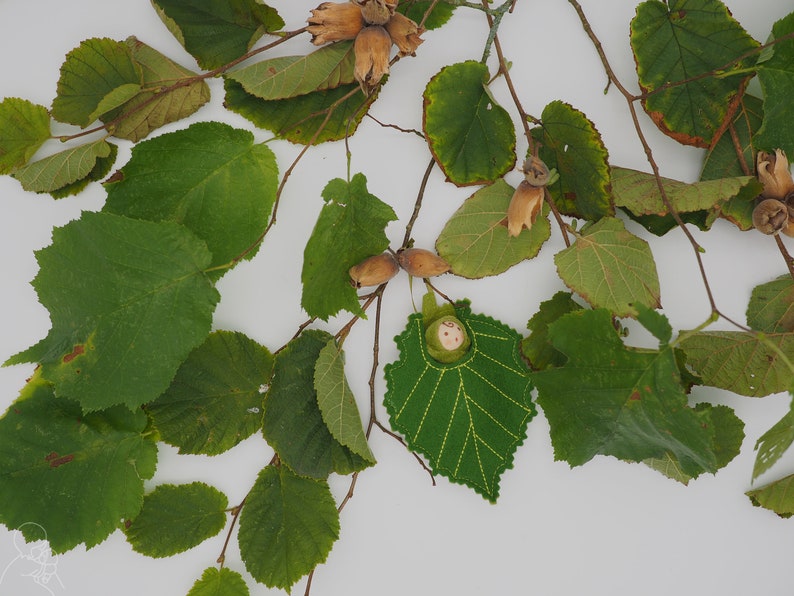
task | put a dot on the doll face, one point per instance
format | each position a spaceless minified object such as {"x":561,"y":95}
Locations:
{"x":450,"y":335}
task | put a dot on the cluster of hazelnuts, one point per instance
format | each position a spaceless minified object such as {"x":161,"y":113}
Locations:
{"x":774,"y":209}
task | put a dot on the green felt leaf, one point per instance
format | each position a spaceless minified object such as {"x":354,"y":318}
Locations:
{"x":337,"y":402}
{"x":678,"y":42}
{"x":175,"y":518}
{"x":287,"y":527}
{"x":742,"y":362}
{"x":475,"y":241}
{"x":293,"y":424}
{"x":470,"y":135}
{"x":162,"y":102}
{"x":771,"y":307}
{"x":64,"y":168}
{"x":298,"y":119}
{"x":24,"y":126}
{"x":774,"y":443}
{"x":97,"y":76}
{"x":350,"y":228}
{"x":289,"y":76}
{"x":610,"y":399}
{"x":776,"y":76}
{"x":777,"y":496}
{"x":416,"y":9}
{"x":216,"y":399}
{"x":572,"y":145}
{"x":215,"y":32}
{"x":536,"y":347}
{"x":467,"y":417}
{"x":76,"y":475}
{"x":209,"y":177}
{"x":128,"y":301}
{"x":219,"y":582}
{"x":611,"y":268}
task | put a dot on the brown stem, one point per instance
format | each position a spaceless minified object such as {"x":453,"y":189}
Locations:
{"x":418,"y":203}
{"x":786,"y":255}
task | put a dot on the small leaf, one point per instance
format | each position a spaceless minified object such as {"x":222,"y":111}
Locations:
{"x":337,"y":403}
{"x":128,"y":301}
{"x":776,"y":76}
{"x":24,"y":126}
{"x":470,"y":135}
{"x":97,"y":76}
{"x":679,"y":41}
{"x":536,"y":347}
{"x":215,"y":401}
{"x":571,"y":144}
{"x":350,"y":228}
{"x":774,"y":443}
{"x":219,"y":582}
{"x":610,"y":268}
{"x":475,"y":241}
{"x":56,"y":459}
{"x":175,"y":518}
{"x":287,"y":527}
{"x":468,"y":417}
{"x":64,"y":168}
{"x":416,"y":9}
{"x":290,"y":76}
{"x":216,"y":32}
{"x":771,"y":307}
{"x":777,"y":496}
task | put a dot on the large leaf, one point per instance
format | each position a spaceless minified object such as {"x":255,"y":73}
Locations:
{"x":610,"y":399}
{"x":210,"y":177}
{"x":610,"y":267}
{"x":774,"y":443}
{"x":536,"y":348}
{"x":287,"y":527}
{"x":470,"y":135}
{"x":777,"y":496}
{"x":65,"y":168}
{"x":219,"y":582}
{"x":350,"y":228}
{"x":475,"y":241}
{"x":572,"y":145}
{"x":215,"y":32}
{"x":128,"y":301}
{"x":682,"y":42}
{"x":771,"y":306}
{"x":216,"y":398}
{"x":24,"y":126}
{"x":289,"y":76}
{"x":776,"y":76}
{"x":76,"y":475}
{"x":468,"y":417}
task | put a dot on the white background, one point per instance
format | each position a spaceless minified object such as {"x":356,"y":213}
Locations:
{"x":604,"y":528}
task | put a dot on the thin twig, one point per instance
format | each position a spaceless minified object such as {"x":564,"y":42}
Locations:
{"x":418,"y":203}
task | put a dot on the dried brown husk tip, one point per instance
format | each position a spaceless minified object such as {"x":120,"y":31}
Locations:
{"x":374,"y":270}
{"x":334,"y":21}
{"x":536,"y":172}
{"x":419,"y":262}
{"x":771,"y":216}
{"x":372,"y":49}
{"x":376,"y":12}
{"x":405,"y":34}
{"x":524,"y":207}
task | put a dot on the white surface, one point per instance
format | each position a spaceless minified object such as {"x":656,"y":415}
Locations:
{"x":605,"y":528}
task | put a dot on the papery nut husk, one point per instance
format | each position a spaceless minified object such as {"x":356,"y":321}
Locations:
{"x":375,"y":12}
{"x":536,"y":172}
{"x":419,"y":262}
{"x":374,"y":270}
{"x":372,"y":49}
{"x":524,"y":207}
{"x":334,"y":21}
{"x":770,"y":216}
{"x":774,"y":174}
{"x":435,"y":347}
{"x":405,"y":34}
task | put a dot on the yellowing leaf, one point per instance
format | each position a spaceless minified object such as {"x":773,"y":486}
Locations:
{"x":24,"y":126}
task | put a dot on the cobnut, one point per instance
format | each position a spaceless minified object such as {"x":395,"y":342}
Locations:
{"x":374,"y":271}
{"x":419,"y":262}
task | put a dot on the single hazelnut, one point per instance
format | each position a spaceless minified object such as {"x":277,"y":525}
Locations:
{"x":372,"y":49}
{"x":404,"y":33}
{"x":524,"y":207}
{"x":374,"y":270}
{"x":419,"y":262}
{"x":334,"y":21}
{"x":770,"y":216}
{"x":376,"y":12}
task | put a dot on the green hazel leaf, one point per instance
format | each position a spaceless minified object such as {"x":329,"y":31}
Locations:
{"x":101,"y":169}
{"x":175,"y":518}
{"x":219,"y":582}
{"x":776,"y":76}
{"x":777,"y":496}
{"x":721,"y":160}
{"x":415,"y":9}
{"x":216,"y":399}
{"x":64,"y":168}
{"x":475,"y":241}
{"x":571,"y":144}
{"x":24,"y":126}
{"x":774,"y":443}
{"x":745,"y":363}
{"x":97,"y":76}
{"x":467,"y":417}
{"x":209,"y":177}
{"x":771,"y":307}
{"x":655,"y":322}
{"x":287,"y":527}
{"x":470,"y":135}
{"x":290,"y":76}
{"x":634,"y":406}
{"x":351,"y":227}
{"x":611,"y":268}
{"x":536,"y":347}
{"x":73,"y":474}
{"x":293,"y":424}
{"x":337,"y":402}
{"x":304,"y":119}
{"x":216,"y":32}
{"x":162,"y":102}
{"x":128,"y":301}
{"x":681,"y":42}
